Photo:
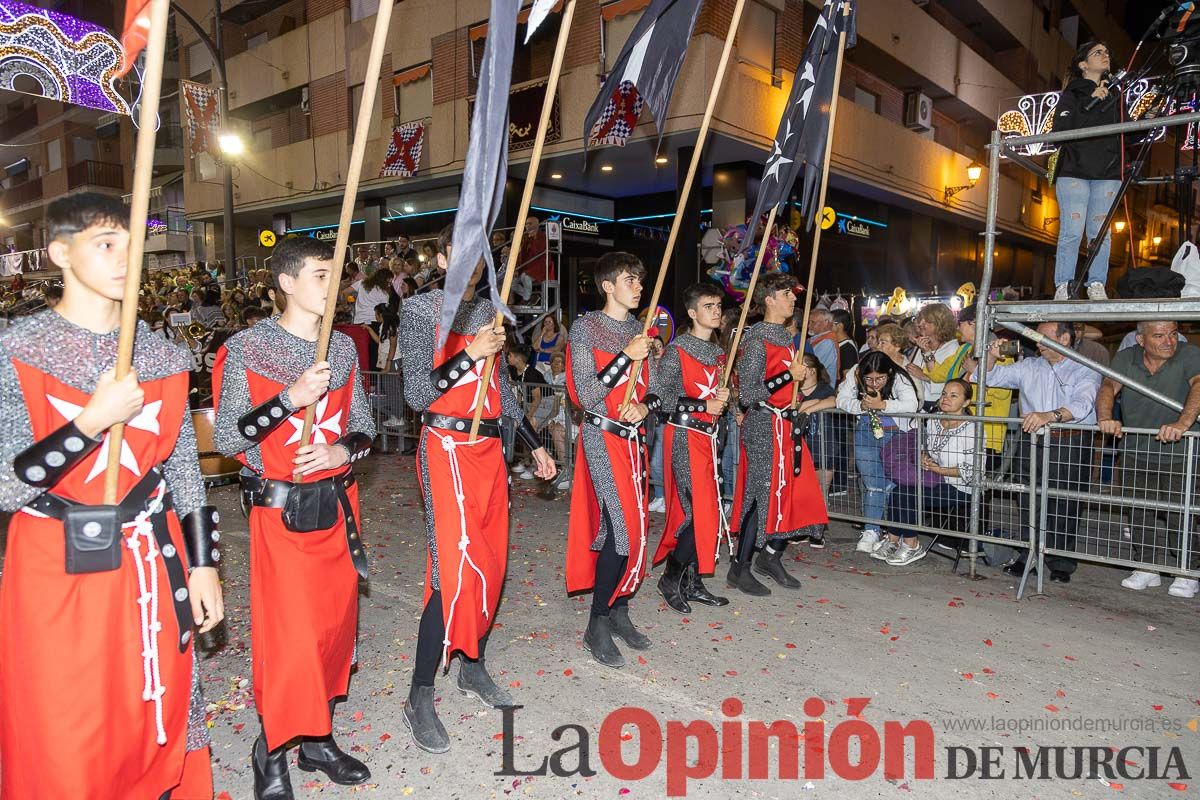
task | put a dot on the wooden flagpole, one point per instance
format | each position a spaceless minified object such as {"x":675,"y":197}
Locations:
{"x":143,"y":170}
{"x":366,"y":109}
{"x":812,"y":266}
{"x":514,"y":249}
{"x":685,"y":192}
{"x":749,"y":298}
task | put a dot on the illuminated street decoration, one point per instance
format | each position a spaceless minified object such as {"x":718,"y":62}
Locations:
{"x":1035,"y":114}
{"x":70,"y":60}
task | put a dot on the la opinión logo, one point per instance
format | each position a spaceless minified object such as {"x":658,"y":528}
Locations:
{"x":735,"y":748}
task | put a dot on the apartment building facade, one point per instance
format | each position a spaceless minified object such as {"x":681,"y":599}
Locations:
{"x":920,"y":94}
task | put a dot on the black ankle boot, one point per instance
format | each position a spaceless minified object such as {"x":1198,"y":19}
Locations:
{"x":325,"y":755}
{"x":422,"y":721}
{"x":771,"y":565}
{"x":474,"y":680}
{"x":671,"y":584}
{"x":271,"y":778}
{"x":741,"y":578}
{"x":622,"y":627}
{"x":597,"y":640}
{"x":694,"y":589}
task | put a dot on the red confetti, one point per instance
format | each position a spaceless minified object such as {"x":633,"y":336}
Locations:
{"x":894,"y":638}
{"x":1157,"y":708}
{"x":790,"y":646}
{"x":642,"y":660}
{"x":224,"y":796}
{"x":568,"y":672}
{"x":969,"y":675}
{"x":1179,"y":787}
{"x":988,"y":642}
{"x":1051,"y":707}
{"x":731,"y":673}
{"x":953,"y":604}
{"x":885,"y":630}
{"x":384,"y":737}
{"x":358,"y":715}
{"x":989,"y":671}
{"x":992,"y":695}
{"x":1117,"y":786}
{"x":515,"y":684}
{"x":823,"y":600}
{"x":1059,"y":693}
{"x":1069,"y":658}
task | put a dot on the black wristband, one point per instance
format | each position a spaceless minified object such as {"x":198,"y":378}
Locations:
{"x":528,"y":434}
{"x":777,"y":382}
{"x":652,"y":402}
{"x":47,"y":460}
{"x":690,"y":405}
{"x":357,"y":444}
{"x":257,"y":423}
{"x":449,"y":371}
{"x":202,"y":537}
{"x":612,"y":373}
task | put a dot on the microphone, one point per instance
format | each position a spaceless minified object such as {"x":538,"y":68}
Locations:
{"x":1110,"y":82}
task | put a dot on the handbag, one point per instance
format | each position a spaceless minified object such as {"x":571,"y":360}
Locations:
{"x":901,"y":462}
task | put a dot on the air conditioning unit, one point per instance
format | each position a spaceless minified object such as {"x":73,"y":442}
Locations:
{"x":918,"y":112}
{"x":304,"y":99}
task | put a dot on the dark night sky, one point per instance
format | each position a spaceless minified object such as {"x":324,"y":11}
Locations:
{"x":1139,"y":14}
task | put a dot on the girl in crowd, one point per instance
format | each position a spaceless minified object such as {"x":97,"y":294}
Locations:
{"x":873,"y":390}
{"x":549,"y":340}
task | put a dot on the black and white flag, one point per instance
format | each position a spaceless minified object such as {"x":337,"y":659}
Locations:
{"x":799,"y":146}
{"x":649,"y":62}
{"x":486,"y":169}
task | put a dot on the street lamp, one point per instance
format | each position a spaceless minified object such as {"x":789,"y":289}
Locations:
{"x":1119,"y":226}
{"x":217,"y":53}
{"x":974,"y":173}
{"x":1157,"y":240}
{"x":231,"y":144}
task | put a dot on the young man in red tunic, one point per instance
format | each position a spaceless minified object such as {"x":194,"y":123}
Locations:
{"x":464,"y":486}
{"x":306,"y":550}
{"x":778,"y":496}
{"x":98,"y":691}
{"x":606,"y":539}
{"x":689,"y":375}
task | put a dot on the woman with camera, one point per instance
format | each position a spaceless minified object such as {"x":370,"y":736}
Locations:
{"x":1088,"y":173}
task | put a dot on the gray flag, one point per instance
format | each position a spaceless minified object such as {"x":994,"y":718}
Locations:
{"x":486,"y":169}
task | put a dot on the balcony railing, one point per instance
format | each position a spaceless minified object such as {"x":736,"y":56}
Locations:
{"x":96,"y":173}
{"x":22,"y":194}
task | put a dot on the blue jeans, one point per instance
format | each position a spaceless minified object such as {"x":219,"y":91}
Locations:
{"x":1082,"y":205}
{"x":868,"y":460}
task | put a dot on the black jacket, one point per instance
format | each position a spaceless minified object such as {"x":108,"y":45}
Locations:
{"x":1090,"y":159}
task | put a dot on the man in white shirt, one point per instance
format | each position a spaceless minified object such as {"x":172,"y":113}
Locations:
{"x":1053,"y":390}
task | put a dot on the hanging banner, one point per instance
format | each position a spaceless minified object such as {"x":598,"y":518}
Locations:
{"x":404,"y":152}
{"x":524,"y":113}
{"x":201,"y":119}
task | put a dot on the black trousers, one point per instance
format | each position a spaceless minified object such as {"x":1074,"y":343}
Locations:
{"x":1070,"y":464}
{"x":430,"y":635}
{"x":609,"y":569}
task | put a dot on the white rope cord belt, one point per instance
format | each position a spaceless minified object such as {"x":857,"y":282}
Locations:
{"x":451,"y":445}
{"x":634,"y":449}
{"x":777,"y":427}
{"x":723,"y":531}
{"x":141,"y":528}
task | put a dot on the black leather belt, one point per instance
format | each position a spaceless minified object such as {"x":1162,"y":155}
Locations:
{"x":271,"y":493}
{"x":137,"y":501}
{"x":799,"y":420}
{"x":616,"y":428}
{"x":682,"y":419}
{"x":487,"y":427}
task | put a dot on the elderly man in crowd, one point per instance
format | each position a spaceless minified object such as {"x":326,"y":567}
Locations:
{"x":1053,"y":389}
{"x":823,"y":341}
{"x":1154,"y":466}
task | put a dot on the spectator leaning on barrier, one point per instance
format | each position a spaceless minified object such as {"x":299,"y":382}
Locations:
{"x":822,"y":341}
{"x":1053,"y":389}
{"x":1154,"y":466}
{"x":873,"y":390}
{"x":949,"y":453}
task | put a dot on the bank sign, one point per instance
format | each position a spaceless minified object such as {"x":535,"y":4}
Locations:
{"x":853,"y":227}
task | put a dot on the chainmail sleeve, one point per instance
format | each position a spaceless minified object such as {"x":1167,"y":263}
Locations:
{"x":588,"y":387}
{"x":417,"y":346}
{"x":668,"y":380}
{"x":233,"y":404}
{"x":16,"y":434}
{"x":182,"y":470}
{"x":510,"y":406}
{"x":361,"y":419}
{"x":751,"y":369}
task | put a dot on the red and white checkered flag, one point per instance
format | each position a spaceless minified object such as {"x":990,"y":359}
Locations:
{"x":619,"y":117}
{"x":404,"y":153}
{"x":201,"y":119}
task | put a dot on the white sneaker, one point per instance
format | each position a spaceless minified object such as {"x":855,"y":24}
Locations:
{"x":905,"y":555}
{"x":1061,"y":291}
{"x":1184,"y":587}
{"x":1139,"y":580}
{"x":1095,"y":291}
{"x":658,"y":505}
{"x":526,"y":475}
{"x":868,"y":541}
{"x":393,"y":422}
{"x":564,"y":484}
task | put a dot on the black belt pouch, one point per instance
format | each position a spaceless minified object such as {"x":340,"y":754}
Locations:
{"x":311,"y":507}
{"x":93,"y":535}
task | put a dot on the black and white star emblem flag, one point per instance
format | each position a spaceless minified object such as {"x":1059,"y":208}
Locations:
{"x":799,"y":146}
